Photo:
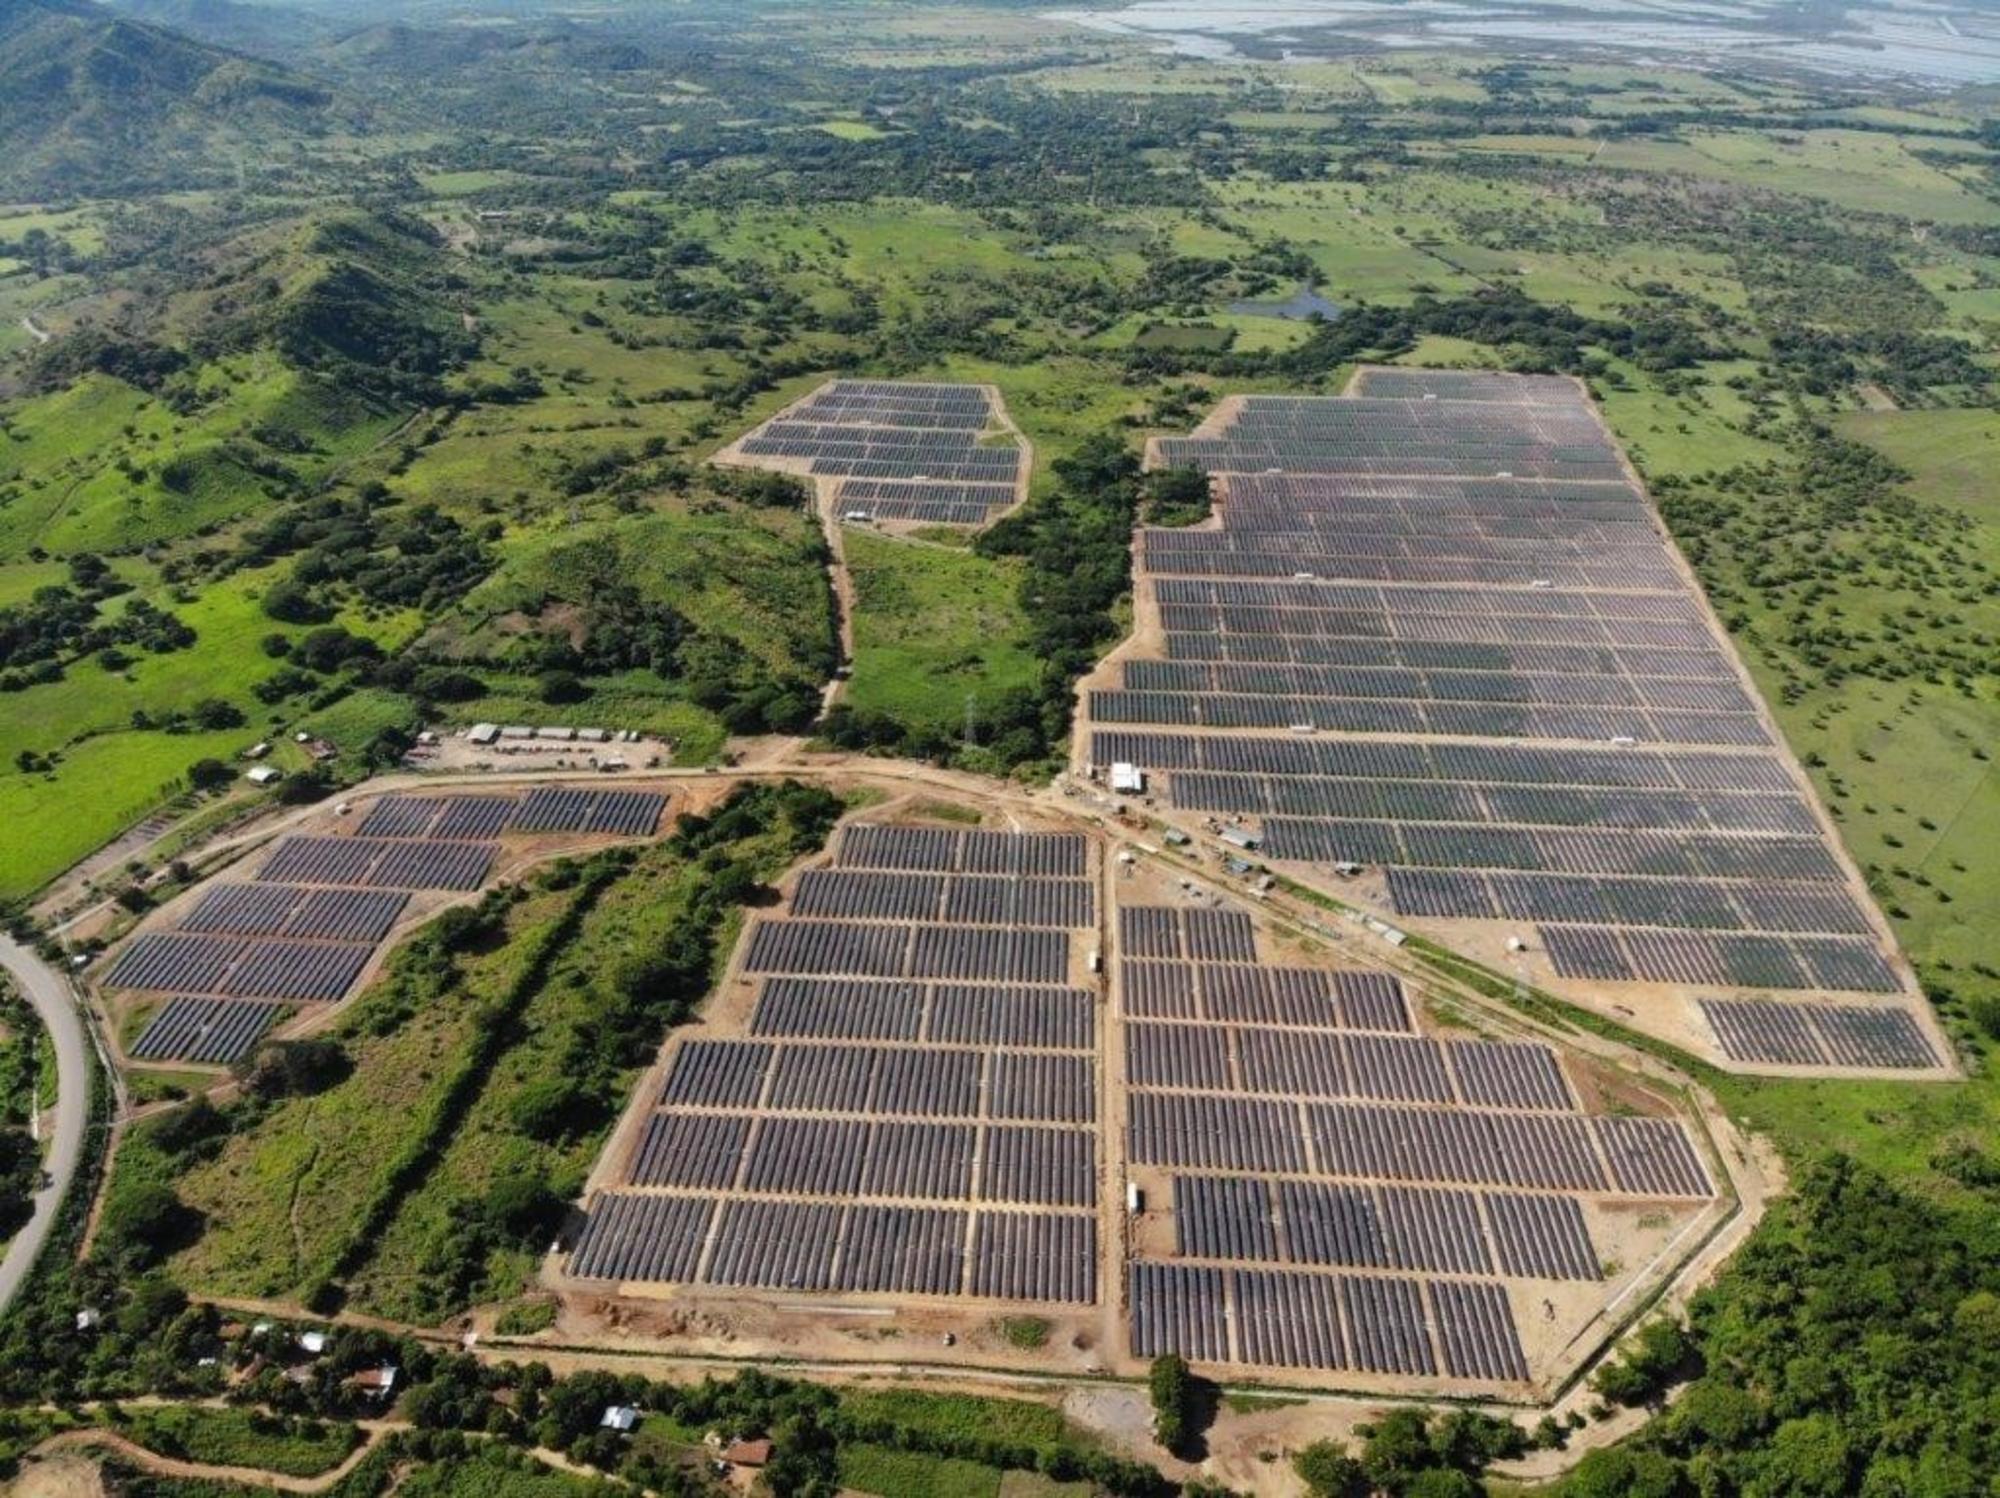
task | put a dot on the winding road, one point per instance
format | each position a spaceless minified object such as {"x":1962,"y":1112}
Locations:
{"x":46,"y":989}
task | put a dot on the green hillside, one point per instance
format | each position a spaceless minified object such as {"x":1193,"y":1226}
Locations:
{"x":91,"y":99}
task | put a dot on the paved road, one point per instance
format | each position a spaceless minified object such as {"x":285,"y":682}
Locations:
{"x":50,"y":995}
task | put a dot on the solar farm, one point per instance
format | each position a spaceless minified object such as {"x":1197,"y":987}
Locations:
{"x":896,"y":451}
{"x":1439,"y":654}
{"x":244,"y":957}
{"x":907,"y":1102}
{"x":922,"y":1093}
{"x":1344,"y":1194}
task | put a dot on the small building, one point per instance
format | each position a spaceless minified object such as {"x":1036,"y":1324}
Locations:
{"x":517,"y":731}
{"x":263,"y":774}
{"x":1177,"y":838}
{"x":557,"y":732}
{"x":482,"y":733}
{"x":257,"y":750}
{"x":592,"y":735}
{"x":312,"y":1343}
{"x":1128,"y":779}
{"x":1240,"y":837}
{"x":87,"y":1319}
{"x":748,"y":1453}
{"x":376,"y":1383}
{"x":619,"y":1417}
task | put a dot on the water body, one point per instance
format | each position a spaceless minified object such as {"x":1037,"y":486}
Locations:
{"x":1942,"y":45}
{"x":1300,"y":305}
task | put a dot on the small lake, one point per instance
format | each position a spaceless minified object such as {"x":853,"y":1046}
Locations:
{"x":1300,"y":305}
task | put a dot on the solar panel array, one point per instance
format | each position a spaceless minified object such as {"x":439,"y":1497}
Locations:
{"x":1327,"y":1162}
{"x":1498,"y":684}
{"x":548,"y":808}
{"x":305,"y":928}
{"x":912,"y":1106}
{"x":900,"y":450}
{"x":214,"y":1031}
{"x":380,"y":862}
{"x":1762,"y":1030}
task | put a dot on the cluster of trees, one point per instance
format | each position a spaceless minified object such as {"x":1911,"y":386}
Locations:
{"x":1910,"y":364}
{"x":20,"y":1156}
{"x":654,"y":987}
{"x":1411,"y":1453}
{"x":1851,"y":1348}
{"x":64,"y":622}
{"x":1798,"y":555}
{"x":413,"y":556}
{"x":1541,"y":335}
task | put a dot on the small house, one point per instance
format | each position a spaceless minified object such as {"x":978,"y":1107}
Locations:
{"x":263,"y":774}
{"x":619,"y":1417}
{"x":748,"y":1453}
{"x":375,"y":1383}
{"x":1128,"y":779}
{"x":1239,"y":837}
{"x":312,"y":1343}
{"x":482,"y":733}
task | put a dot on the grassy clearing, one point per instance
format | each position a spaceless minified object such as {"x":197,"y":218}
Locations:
{"x":1953,"y":457}
{"x":1865,"y":170}
{"x":107,"y":773}
{"x":240,"y":1438}
{"x":931,"y":628}
{"x":401,"y":1276}
{"x":913,"y":1474}
{"x":278,"y":1198}
{"x":492,"y":1471}
{"x":1015,"y":1421}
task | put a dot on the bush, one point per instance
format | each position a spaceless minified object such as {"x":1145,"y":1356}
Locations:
{"x":209,"y":774}
{"x":558,"y":687}
{"x":1172,"y":1388}
{"x":299,"y":1068}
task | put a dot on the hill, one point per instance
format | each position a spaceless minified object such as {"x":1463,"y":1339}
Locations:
{"x":91,"y":101}
{"x":273,"y":31}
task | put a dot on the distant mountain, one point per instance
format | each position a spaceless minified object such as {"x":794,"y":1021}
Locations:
{"x":270,"y":31}
{"x":92,"y":101}
{"x":430,"y":50}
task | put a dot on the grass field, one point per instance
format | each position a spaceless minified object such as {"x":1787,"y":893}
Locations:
{"x":107,"y":772}
{"x":400,"y":1278}
{"x":240,"y":1438}
{"x":932,"y":627}
{"x":912,"y":1474}
{"x":279,"y":1198}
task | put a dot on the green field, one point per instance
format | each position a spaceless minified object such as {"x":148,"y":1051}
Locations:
{"x":241,"y":1438}
{"x":933,"y":627}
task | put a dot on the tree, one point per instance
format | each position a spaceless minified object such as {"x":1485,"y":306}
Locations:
{"x":209,"y":774}
{"x":1329,"y":1472}
{"x":1172,"y":1388}
{"x":213,"y":713}
{"x":558,"y":687}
